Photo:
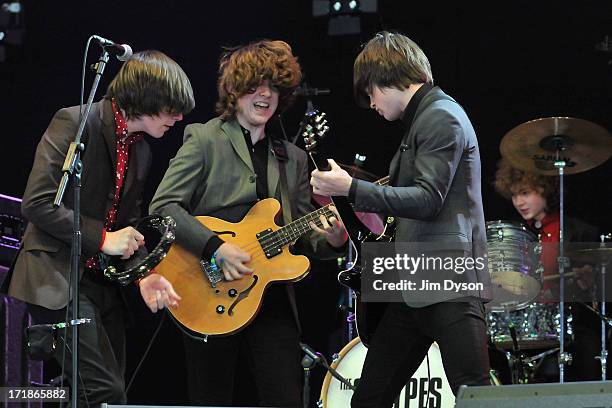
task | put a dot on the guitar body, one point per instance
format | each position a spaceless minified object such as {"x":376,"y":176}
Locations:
{"x":230,"y":305}
{"x":367,"y":314}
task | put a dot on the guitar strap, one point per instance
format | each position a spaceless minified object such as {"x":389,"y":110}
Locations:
{"x":280,"y":152}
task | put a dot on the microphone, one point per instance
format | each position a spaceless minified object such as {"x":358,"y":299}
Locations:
{"x":304,"y":90}
{"x":123,"y":52}
{"x":310,"y":352}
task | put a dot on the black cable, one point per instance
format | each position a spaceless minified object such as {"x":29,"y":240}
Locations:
{"x":428,"y":380}
{"x":144,"y":356}
{"x":83,"y":68}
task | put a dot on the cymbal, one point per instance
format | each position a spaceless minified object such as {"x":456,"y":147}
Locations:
{"x":358,"y":172}
{"x":592,"y":255}
{"x":532,"y":146}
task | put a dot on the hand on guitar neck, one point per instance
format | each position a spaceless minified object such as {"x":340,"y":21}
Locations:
{"x":332,"y":229}
{"x":335,"y":182}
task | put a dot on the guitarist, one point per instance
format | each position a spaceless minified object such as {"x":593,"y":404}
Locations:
{"x":223,"y":168}
{"x":435,"y":196}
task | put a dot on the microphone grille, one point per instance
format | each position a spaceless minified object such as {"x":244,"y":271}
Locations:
{"x":127,"y":54}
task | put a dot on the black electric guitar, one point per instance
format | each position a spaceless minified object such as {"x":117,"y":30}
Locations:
{"x":315,"y":127}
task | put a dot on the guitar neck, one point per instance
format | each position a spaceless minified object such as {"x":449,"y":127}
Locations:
{"x":292,"y":231}
{"x":354,"y":227}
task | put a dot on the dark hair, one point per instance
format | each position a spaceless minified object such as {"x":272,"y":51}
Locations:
{"x":389,"y":60}
{"x":246,"y":67}
{"x":510,"y":180}
{"x":149,"y":83}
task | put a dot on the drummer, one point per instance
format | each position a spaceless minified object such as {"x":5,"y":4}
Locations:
{"x":536,"y":199}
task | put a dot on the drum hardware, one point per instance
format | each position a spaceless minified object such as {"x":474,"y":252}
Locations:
{"x":522,"y":368}
{"x":558,"y":146}
{"x":601,"y":255}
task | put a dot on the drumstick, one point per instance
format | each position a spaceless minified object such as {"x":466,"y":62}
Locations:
{"x":557,"y":276}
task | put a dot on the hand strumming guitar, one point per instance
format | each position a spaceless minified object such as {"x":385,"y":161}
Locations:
{"x":232,"y":259}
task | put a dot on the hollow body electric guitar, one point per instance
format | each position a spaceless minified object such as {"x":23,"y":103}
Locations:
{"x":367,"y":315}
{"x":212,"y":306}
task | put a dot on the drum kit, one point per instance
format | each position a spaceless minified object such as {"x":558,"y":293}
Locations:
{"x":525,"y":330}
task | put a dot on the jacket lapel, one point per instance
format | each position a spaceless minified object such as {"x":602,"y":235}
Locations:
{"x":236,"y":137}
{"x":110,"y":139}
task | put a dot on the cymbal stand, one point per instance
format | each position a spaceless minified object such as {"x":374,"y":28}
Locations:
{"x":564,"y":358}
{"x":603,"y":357}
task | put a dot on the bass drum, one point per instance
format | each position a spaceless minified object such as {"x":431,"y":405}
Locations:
{"x":350,"y":361}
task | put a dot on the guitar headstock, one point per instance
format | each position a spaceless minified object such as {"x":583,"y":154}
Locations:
{"x":315,"y":128}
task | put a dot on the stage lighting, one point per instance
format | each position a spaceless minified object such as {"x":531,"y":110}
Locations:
{"x":344,"y":15}
{"x":12,"y":27}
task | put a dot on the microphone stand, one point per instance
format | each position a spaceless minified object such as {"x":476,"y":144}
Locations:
{"x":73,"y":168}
{"x":317,"y":358}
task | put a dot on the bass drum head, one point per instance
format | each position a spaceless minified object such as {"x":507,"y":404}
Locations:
{"x":350,"y":361}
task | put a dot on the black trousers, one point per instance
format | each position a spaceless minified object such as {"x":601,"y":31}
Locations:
{"x":101,"y":342}
{"x":403,"y":338}
{"x":269,"y":345}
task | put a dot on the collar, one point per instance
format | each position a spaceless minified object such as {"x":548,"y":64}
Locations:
{"x":548,"y":220}
{"x":121,"y":128}
{"x":411,"y":108}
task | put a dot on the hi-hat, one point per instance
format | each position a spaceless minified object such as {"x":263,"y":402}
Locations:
{"x":592,"y":255}
{"x":536,"y":145}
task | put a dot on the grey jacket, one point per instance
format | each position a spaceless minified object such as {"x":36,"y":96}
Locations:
{"x":212,"y":174}
{"x":437,"y":197}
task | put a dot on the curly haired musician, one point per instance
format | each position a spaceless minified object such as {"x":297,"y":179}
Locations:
{"x":223,"y":168}
{"x":536,"y":199}
{"x":435,"y":196}
{"x":148,"y":96}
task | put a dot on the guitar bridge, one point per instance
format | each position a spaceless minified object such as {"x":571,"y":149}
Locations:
{"x":212,"y":272}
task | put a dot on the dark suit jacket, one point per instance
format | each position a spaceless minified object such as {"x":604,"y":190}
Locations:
{"x":437,"y":197}
{"x":41,"y":270}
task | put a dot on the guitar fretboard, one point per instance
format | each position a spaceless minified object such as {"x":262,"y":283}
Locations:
{"x":292,"y":231}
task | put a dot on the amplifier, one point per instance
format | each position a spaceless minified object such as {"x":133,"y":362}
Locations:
{"x":12,"y":227}
{"x":586,"y":394}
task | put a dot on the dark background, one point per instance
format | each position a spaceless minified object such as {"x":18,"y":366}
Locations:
{"x":505,"y":62}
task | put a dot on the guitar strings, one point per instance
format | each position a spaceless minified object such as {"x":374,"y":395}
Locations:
{"x":274,"y":238}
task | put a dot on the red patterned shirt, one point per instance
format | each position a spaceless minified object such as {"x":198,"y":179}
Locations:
{"x":548,"y":230}
{"x":124,"y":141}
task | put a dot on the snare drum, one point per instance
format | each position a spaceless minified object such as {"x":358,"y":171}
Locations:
{"x":513,"y":265}
{"x":350,"y":361}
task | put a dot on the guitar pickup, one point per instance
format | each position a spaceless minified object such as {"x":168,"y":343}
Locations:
{"x":212,"y":272}
{"x":270,"y":243}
